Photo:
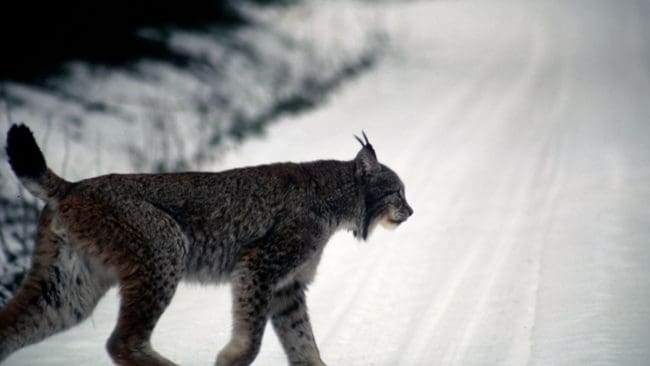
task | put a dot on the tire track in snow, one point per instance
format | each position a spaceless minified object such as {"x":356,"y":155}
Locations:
{"x":473,"y":133}
{"x":514,"y":193}
{"x":461,"y":95}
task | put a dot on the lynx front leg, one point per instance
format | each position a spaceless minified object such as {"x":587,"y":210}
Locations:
{"x":251,"y":291}
{"x":261,"y":268}
{"x":291,"y":323}
{"x":61,"y":289}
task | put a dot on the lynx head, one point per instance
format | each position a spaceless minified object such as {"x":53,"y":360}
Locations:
{"x":383,"y":193}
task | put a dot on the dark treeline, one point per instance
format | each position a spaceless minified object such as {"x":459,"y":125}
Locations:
{"x":265,"y":73}
{"x":37,"y":37}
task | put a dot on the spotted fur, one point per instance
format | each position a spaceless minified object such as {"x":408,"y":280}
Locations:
{"x":262,"y":228}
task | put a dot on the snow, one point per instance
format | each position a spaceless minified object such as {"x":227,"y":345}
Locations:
{"x":155,"y":115}
{"x":521,"y":133}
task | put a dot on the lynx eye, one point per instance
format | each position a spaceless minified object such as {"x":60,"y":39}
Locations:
{"x":388,"y":194}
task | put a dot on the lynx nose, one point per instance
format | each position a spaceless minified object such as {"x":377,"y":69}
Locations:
{"x":409,"y":210}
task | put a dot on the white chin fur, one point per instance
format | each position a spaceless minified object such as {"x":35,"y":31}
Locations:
{"x":387,"y":224}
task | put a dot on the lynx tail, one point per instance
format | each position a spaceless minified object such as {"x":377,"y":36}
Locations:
{"x":28,"y":163}
{"x":25,"y":157}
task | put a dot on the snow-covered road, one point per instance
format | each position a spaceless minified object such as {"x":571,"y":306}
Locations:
{"x":522,"y":133}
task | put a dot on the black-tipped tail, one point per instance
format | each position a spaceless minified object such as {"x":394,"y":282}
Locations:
{"x":25,"y":158}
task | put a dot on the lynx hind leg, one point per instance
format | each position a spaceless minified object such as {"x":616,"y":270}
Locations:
{"x":146,"y":249}
{"x":60,"y":290}
{"x":144,"y":296}
{"x":291,"y":323}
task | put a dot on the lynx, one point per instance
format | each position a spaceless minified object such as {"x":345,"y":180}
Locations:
{"x":260,"y":228}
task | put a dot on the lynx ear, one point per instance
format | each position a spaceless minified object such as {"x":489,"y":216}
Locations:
{"x":366,"y":160}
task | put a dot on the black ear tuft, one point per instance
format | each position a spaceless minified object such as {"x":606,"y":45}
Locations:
{"x":365,"y":144}
{"x":358,"y":139}
{"x":366,"y":159}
